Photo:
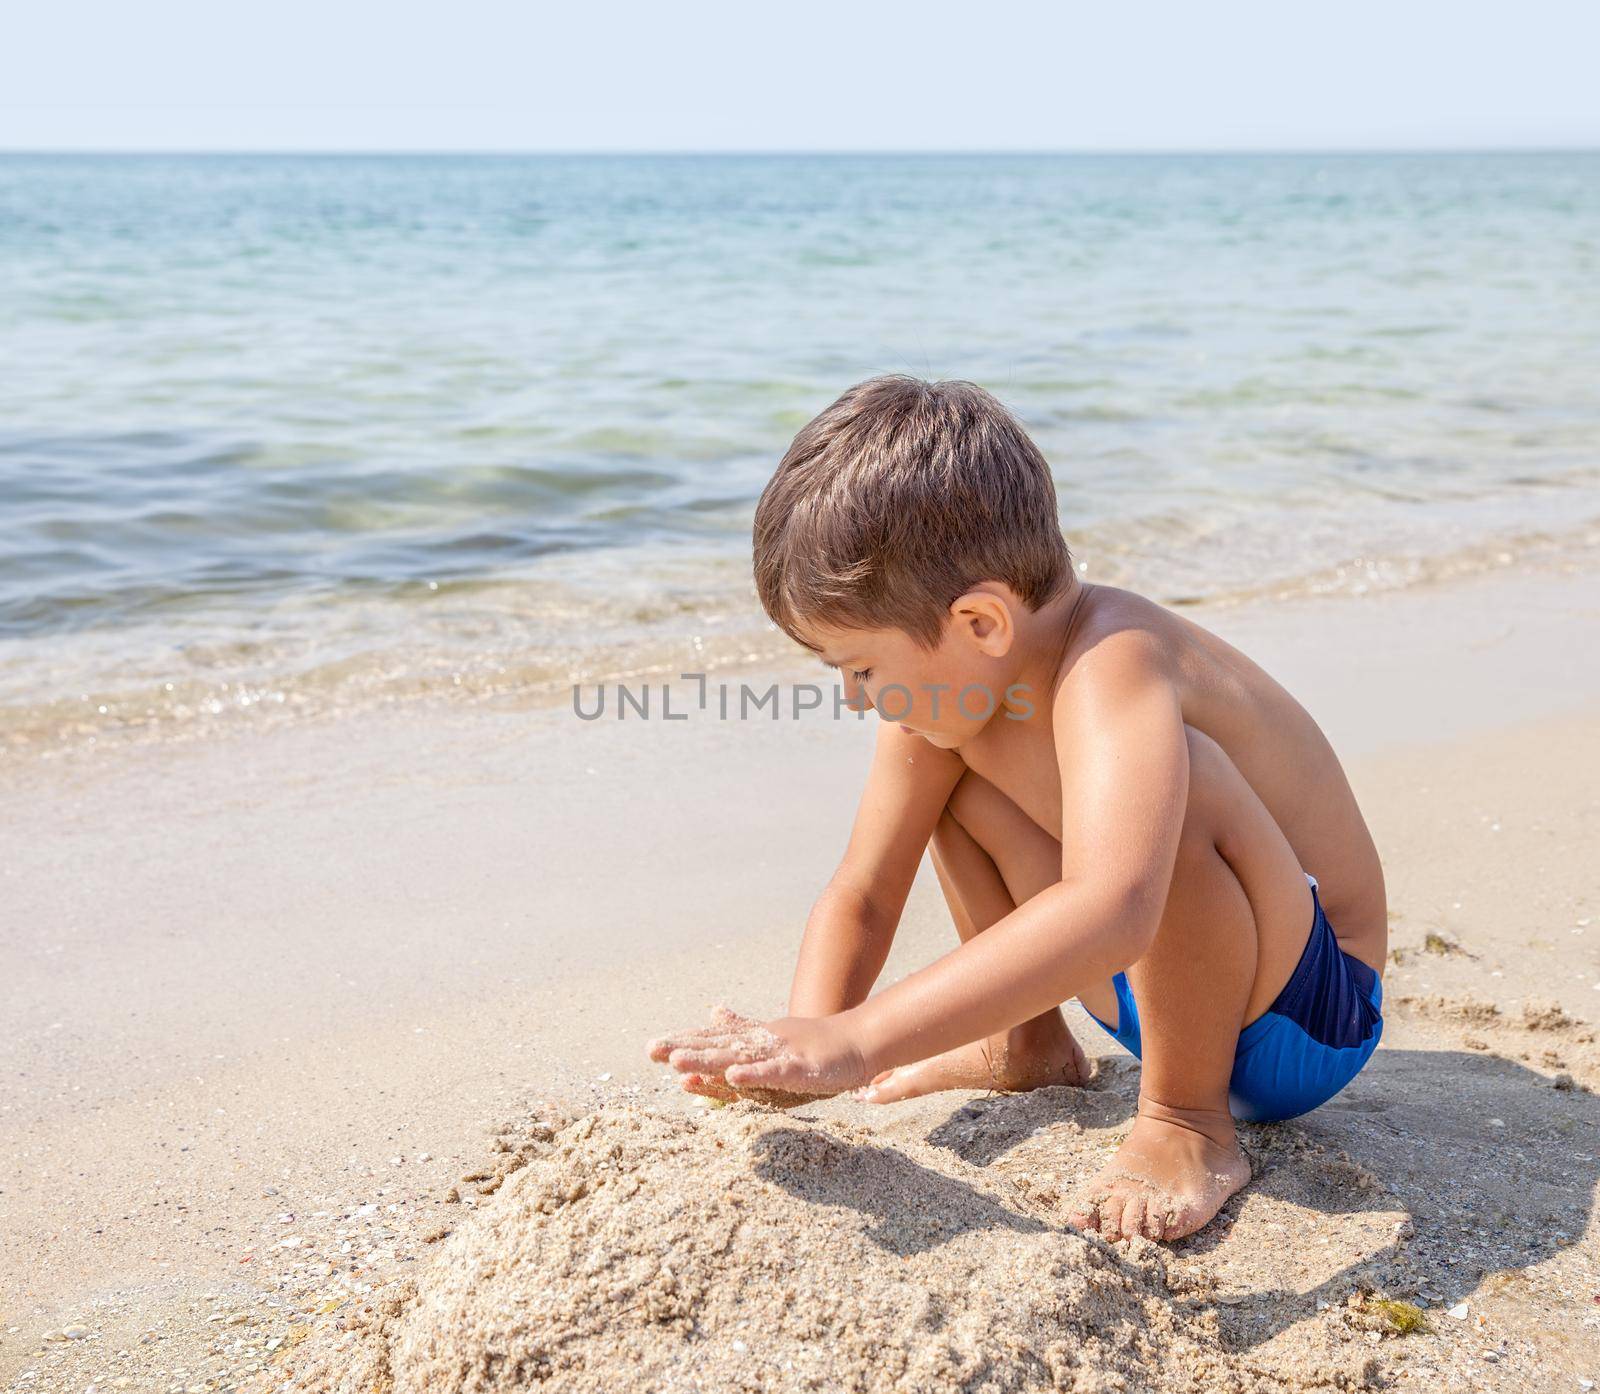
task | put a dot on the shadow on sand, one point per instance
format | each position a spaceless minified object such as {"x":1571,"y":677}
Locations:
{"x":1449,"y":1166}
{"x":911,"y":1208}
{"x":1491,"y":1168}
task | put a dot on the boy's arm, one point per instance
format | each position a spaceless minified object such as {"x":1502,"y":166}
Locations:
{"x":852,"y":924}
{"x":1123,"y":758}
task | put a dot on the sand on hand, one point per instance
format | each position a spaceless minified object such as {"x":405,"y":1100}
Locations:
{"x":743,"y":1249}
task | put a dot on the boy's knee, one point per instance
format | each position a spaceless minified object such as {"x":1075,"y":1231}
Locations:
{"x":1211,"y":774}
{"x":945,"y":832}
{"x":964,"y":806}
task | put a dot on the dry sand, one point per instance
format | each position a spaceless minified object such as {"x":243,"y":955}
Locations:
{"x":263,"y":998}
{"x":746,"y":1250}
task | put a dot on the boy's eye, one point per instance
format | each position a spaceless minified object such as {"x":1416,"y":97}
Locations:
{"x":861,"y":674}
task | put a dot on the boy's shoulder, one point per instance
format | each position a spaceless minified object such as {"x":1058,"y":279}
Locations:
{"x":1114,"y":635}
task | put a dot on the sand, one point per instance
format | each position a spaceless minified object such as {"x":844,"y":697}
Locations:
{"x":746,"y":1250}
{"x":834,"y":1248}
{"x":281,"y":989}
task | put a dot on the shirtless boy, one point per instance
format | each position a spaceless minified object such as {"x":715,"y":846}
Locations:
{"x":1121,"y":808}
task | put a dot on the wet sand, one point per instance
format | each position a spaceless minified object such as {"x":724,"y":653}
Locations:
{"x":309,"y":974}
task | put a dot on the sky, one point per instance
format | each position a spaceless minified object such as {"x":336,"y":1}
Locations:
{"x":637,"y":75}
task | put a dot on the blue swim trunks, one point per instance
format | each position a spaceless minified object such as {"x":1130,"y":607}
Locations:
{"x":1310,"y":1043}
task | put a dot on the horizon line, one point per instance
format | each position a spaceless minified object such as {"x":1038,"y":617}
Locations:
{"x":625,"y":152}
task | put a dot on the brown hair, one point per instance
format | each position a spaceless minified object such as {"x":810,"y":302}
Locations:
{"x":900,"y":497}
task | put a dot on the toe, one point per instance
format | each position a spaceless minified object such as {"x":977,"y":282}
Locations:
{"x":891,"y":1087}
{"x":1110,"y":1225}
{"x":1133,"y":1212}
{"x":1081,"y":1069}
{"x":867,"y":1093}
{"x":1155,"y":1221}
{"x":1184,"y":1220}
{"x":1084,"y":1213}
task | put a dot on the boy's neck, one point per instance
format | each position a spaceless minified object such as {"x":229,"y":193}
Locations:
{"x":1044,"y":634}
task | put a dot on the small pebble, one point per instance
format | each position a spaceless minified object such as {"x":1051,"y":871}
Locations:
{"x":75,"y":1332}
{"x":1458,"y":1312}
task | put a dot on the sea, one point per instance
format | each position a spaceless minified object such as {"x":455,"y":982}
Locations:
{"x":290,"y":436}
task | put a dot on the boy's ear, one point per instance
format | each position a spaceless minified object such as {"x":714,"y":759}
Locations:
{"x":985,"y":619}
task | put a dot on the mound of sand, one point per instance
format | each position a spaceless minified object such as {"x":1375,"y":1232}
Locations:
{"x":743,"y":1250}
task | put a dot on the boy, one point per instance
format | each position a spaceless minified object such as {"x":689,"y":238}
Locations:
{"x":1120,"y":807}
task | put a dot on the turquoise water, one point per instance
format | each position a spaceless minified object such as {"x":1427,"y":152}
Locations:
{"x":285,"y":433}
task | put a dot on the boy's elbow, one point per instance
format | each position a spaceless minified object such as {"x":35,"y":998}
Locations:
{"x":1130,"y":912}
{"x":1144,"y":903}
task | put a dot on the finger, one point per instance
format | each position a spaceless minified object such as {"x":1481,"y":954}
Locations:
{"x":709,"y":1088}
{"x":726,"y":1016}
{"x":663,"y":1046}
{"x":712,"y":1060}
{"x":769,"y":1074}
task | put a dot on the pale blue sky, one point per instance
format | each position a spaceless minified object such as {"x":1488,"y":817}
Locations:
{"x":820,"y":75}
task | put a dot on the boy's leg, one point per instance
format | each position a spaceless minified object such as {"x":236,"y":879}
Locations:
{"x":980,"y":891}
{"x":1237,"y":918}
{"x":1236,"y":921}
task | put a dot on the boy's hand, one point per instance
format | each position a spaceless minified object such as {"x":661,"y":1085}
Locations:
{"x":807,"y":1057}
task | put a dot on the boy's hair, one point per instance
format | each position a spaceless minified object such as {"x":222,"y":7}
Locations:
{"x":898,"y":498}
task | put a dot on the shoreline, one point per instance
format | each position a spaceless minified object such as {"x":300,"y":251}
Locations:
{"x":283,"y":959}
{"x":467,"y":642}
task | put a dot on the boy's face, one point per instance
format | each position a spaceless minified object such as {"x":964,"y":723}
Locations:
{"x":946,"y":695}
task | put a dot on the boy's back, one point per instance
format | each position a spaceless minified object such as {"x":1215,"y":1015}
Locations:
{"x":1276,"y":745}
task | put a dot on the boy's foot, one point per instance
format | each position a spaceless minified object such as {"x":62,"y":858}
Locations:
{"x":1038,"y":1053}
{"x":1171,"y":1175}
